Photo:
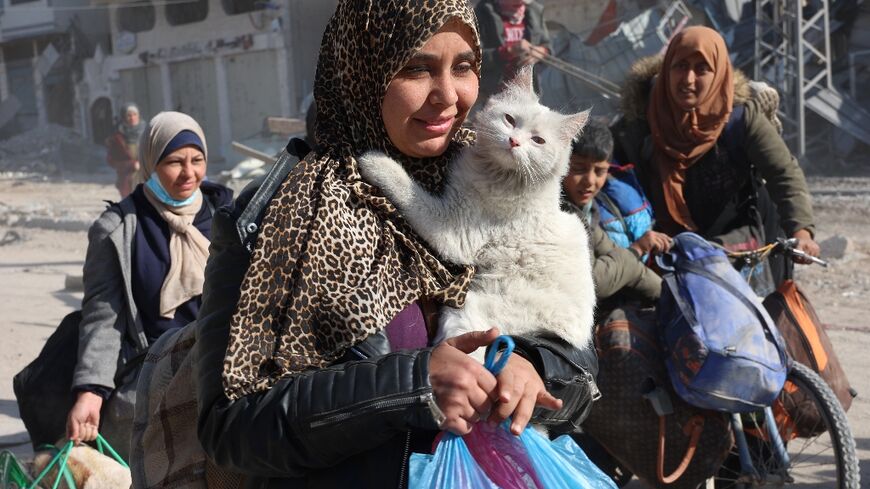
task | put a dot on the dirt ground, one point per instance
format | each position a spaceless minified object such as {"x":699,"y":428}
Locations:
{"x":43,"y":241}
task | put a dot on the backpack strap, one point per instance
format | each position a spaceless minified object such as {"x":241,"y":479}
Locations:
{"x":757,"y":308}
{"x":248,"y":222}
{"x":607,"y":204}
{"x":734,"y":134}
{"x":734,"y":138}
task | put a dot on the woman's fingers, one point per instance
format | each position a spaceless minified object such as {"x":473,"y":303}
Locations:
{"x":469,"y":342}
{"x":510,"y":391}
{"x":807,"y":244}
{"x":549,"y":401}
{"x":89,"y":432}
{"x":457,"y":425}
{"x":72,"y":430}
{"x":810,"y":247}
{"x":520,"y":389}
{"x":523,"y":413}
{"x":462,"y":387}
{"x":84,"y":417}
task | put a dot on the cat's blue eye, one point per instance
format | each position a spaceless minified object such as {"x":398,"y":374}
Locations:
{"x":538,"y":139}
{"x":510,"y":120}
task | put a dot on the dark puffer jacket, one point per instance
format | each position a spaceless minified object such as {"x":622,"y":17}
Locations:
{"x":353,"y":424}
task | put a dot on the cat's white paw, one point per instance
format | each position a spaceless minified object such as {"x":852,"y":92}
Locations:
{"x":374,"y":166}
{"x":385,"y":173}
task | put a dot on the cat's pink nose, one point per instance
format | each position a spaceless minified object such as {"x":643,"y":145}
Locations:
{"x":514,"y":142}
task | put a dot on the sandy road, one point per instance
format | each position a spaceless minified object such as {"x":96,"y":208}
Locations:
{"x":50,"y":218}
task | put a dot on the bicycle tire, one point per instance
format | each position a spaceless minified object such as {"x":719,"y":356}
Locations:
{"x":831,"y":453}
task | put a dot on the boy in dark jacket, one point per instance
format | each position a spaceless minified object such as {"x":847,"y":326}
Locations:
{"x":616,"y":268}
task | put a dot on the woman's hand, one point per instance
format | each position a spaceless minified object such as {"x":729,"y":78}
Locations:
{"x":519,"y":390}
{"x":652,"y":242}
{"x":461,"y":385}
{"x":531,"y":54}
{"x":84,"y":417}
{"x":806,"y":244}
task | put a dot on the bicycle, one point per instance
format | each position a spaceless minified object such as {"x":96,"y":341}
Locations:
{"x":768,"y":450}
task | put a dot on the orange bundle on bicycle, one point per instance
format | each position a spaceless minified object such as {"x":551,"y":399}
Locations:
{"x":807,"y":343}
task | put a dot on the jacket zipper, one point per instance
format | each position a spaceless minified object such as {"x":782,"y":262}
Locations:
{"x":405,"y":461}
{"x":375,"y":406}
{"x":594,"y":391}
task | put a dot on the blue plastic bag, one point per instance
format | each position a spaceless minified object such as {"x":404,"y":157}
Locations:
{"x":491,"y":457}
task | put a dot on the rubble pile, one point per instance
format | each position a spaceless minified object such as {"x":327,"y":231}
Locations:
{"x":50,"y":150}
{"x":42,"y":216}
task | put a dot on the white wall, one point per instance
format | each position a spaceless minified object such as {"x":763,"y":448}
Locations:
{"x":26,"y":18}
{"x":227,"y":71}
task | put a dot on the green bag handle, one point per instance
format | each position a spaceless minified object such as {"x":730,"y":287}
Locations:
{"x":103,"y":444}
{"x":60,"y":457}
{"x":63,"y":455}
{"x":11,"y":472}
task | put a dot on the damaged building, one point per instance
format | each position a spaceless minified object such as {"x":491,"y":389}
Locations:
{"x":232,"y":63}
{"x":42,"y":47}
{"x":228,"y":63}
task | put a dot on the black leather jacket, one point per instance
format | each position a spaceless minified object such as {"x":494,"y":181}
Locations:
{"x":353,"y":424}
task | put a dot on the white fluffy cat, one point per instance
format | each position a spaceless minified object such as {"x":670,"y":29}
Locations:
{"x":499,"y":211}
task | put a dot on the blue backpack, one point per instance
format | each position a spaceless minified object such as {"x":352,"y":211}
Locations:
{"x":723,"y":351}
{"x":625,"y":213}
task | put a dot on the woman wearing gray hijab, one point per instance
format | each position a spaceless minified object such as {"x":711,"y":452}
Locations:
{"x":143,"y":273}
{"x":123,"y":148}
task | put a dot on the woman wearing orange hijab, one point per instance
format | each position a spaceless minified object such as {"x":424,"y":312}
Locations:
{"x":702,"y":146}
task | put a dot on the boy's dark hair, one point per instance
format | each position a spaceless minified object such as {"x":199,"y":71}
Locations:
{"x":595,"y":142}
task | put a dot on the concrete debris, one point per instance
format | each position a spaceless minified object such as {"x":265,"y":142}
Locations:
{"x":50,"y":150}
{"x":42,"y":217}
{"x":836,"y":247}
{"x":73,"y":283}
{"x":246,"y":170}
{"x":10,"y":237}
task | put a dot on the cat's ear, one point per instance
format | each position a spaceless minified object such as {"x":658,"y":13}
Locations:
{"x":525,"y":79}
{"x":573,"y":124}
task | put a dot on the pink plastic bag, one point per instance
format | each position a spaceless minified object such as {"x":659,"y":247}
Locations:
{"x":502,"y":456}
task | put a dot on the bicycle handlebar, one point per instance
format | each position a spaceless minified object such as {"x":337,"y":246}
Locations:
{"x":784,"y":246}
{"x":787,"y":246}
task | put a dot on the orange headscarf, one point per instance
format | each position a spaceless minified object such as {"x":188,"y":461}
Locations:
{"x":681,"y":138}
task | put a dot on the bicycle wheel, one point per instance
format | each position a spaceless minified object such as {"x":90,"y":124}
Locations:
{"x":824,"y":459}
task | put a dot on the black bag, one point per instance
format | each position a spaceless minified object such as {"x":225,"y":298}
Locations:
{"x":639,"y":419}
{"x":44,"y":387}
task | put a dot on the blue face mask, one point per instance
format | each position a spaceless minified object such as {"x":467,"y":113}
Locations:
{"x":162,"y":195}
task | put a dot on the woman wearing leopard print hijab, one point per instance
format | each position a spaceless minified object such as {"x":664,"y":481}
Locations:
{"x":314,"y":367}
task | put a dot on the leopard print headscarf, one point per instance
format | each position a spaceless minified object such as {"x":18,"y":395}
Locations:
{"x":334,"y":262}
